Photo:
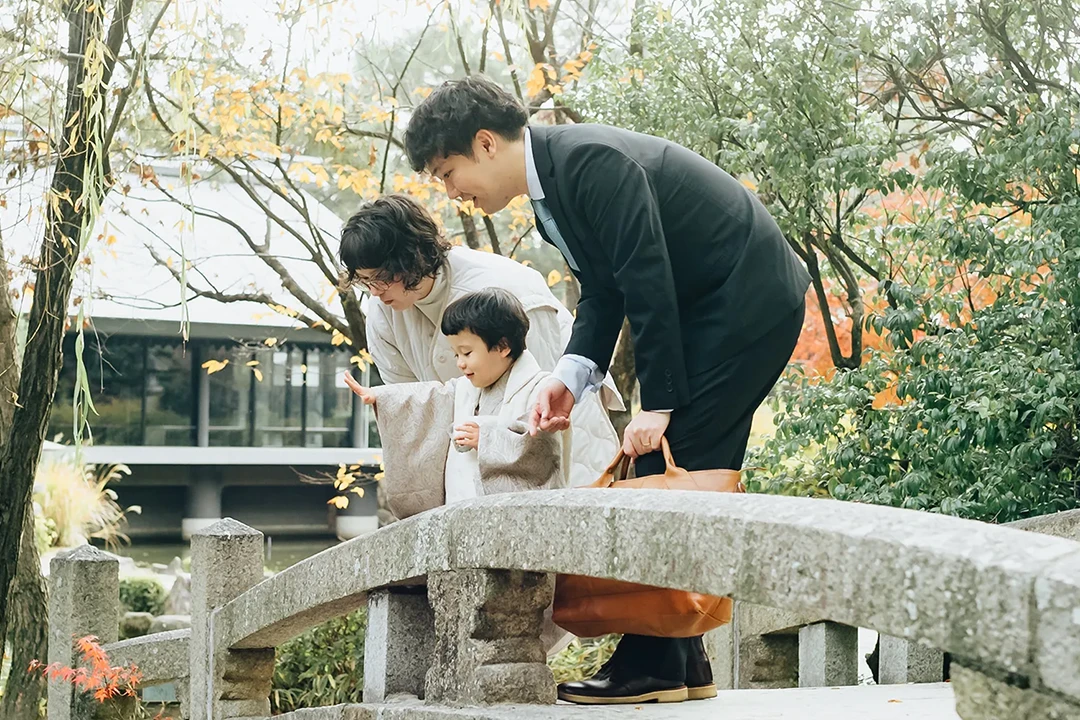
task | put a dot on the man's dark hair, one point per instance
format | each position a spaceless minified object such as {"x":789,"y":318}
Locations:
{"x":494,"y":315}
{"x":396,"y":239}
{"x":448,"y":119}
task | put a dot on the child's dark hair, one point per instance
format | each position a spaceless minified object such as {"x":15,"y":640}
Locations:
{"x":395,"y":238}
{"x":494,"y":315}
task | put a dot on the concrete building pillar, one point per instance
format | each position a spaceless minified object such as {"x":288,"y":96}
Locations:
{"x":487,"y":638}
{"x":202,"y":423}
{"x":398,"y":643}
{"x":828,"y":655}
{"x":203,"y":501}
{"x":84,"y":599}
{"x":226,"y":560}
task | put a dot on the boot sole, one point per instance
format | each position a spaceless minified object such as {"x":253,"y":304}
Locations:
{"x":658,"y":696}
{"x":703,"y":692}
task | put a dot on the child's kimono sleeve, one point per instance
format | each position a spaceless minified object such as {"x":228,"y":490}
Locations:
{"x":414,"y":422}
{"x":511,"y":460}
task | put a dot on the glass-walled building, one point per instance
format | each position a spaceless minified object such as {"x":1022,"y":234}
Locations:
{"x":152,"y":391}
{"x":260,"y":438}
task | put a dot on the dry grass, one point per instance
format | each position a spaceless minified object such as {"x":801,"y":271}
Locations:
{"x":77,"y":504}
{"x":582,"y":658}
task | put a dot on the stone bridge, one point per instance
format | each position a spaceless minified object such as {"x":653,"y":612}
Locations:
{"x":1005,"y":603}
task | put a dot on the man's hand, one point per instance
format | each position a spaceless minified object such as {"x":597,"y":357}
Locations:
{"x":552,"y":410}
{"x":643,"y":434}
{"x":362,"y":392}
{"x":467,"y":434}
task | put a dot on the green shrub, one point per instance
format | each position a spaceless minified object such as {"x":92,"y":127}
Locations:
{"x":324,"y":666}
{"x":142,"y":594}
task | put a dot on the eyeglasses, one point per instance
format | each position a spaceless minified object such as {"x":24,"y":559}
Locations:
{"x":372,"y":285}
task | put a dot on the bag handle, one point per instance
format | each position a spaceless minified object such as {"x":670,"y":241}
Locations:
{"x":620,"y":466}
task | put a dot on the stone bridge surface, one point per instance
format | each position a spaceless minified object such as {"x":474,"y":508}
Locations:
{"x":1005,"y":603}
{"x":899,"y":702}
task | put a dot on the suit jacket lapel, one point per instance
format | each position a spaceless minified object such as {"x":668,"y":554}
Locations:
{"x":545,"y":169}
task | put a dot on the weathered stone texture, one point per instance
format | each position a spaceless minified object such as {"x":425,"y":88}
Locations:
{"x":487,"y":637}
{"x":398,"y":643}
{"x":226,"y":560}
{"x":84,"y":599}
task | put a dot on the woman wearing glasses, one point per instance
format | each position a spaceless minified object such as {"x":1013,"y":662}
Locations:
{"x":393,"y":250}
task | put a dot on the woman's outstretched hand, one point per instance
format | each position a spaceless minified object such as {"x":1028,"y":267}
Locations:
{"x":362,"y":392}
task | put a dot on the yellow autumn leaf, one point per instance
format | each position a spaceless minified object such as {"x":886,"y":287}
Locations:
{"x":542,"y":4}
{"x":258,"y":374}
{"x":282,"y":310}
{"x":252,"y":363}
{"x":538,"y":78}
{"x":553,"y":278}
{"x":340,"y":502}
{"x":358,"y":362}
{"x":303,"y":369}
{"x":213,"y":366}
{"x":358,"y":491}
{"x":366,"y":356}
{"x":337,"y":338}
{"x":270,"y":341}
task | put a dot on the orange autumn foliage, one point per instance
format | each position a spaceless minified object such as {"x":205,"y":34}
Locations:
{"x":95,"y":675}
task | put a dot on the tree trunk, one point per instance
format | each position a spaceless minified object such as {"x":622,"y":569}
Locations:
{"x":9,"y":355}
{"x":624,"y":372}
{"x":472,"y":239}
{"x":493,"y":235}
{"x":29,"y":636}
{"x":67,"y":212}
{"x":573,"y":289}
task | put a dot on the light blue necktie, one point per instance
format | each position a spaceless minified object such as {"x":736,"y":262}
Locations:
{"x":543,"y":214}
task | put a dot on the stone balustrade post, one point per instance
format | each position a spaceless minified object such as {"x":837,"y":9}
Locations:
{"x":487,"y":637}
{"x":84,"y":599}
{"x":901,"y":661}
{"x":226,"y":560}
{"x":398,"y":643}
{"x":828,"y":655}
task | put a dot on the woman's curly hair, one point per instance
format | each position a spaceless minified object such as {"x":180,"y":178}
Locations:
{"x":395,"y":239}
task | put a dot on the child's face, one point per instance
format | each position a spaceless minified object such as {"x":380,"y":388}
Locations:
{"x":481,"y":365}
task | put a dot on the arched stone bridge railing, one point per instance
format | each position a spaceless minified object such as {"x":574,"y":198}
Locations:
{"x":1004,"y":603}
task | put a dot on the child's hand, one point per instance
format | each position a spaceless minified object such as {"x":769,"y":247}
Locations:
{"x":362,"y":392}
{"x":467,"y":434}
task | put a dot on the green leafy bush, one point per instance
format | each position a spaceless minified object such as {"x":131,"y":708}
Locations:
{"x":142,"y":594}
{"x":324,"y":666}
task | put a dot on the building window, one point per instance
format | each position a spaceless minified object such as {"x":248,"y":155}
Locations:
{"x":115,"y":371}
{"x":170,"y":398}
{"x":329,"y":400}
{"x":279,"y":398}
{"x":230,"y":395}
{"x":147,"y":391}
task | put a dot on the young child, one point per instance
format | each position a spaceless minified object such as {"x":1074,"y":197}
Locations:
{"x":446,"y":442}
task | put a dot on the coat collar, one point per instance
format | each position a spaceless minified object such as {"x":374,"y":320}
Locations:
{"x":545,"y":168}
{"x":521,"y":374}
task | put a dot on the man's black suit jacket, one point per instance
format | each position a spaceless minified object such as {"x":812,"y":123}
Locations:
{"x":670,"y":241}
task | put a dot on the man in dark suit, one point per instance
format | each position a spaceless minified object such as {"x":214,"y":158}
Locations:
{"x":659,"y":235}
